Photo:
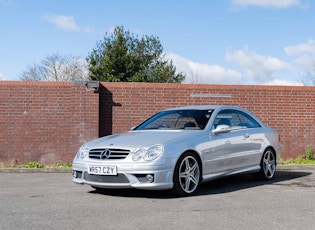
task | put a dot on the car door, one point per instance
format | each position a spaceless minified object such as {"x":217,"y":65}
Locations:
{"x":254,"y":137}
{"x":228,"y":151}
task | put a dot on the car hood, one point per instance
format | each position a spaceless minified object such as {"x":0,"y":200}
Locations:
{"x":137,"y":139}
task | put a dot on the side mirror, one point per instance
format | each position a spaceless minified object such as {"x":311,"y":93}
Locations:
{"x":221,"y":129}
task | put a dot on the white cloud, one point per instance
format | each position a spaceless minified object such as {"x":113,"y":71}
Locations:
{"x":203,"y":73}
{"x":283,"y":82}
{"x":259,"y":68}
{"x":304,"y":53}
{"x":306,"y":61}
{"x":296,"y":50}
{"x":62,"y":22}
{"x":267,"y":3}
{"x":2,"y":77}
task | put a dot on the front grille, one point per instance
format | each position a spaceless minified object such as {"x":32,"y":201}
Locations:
{"x":120,"y":178}
{"x":108,"y":154}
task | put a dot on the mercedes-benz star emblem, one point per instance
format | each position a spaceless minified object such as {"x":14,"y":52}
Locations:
{"x":105,"y":154}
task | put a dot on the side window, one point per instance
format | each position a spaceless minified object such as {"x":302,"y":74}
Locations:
{"x":225,"y":117}
{"x":247,"y":121}
{"x":235,"y":119}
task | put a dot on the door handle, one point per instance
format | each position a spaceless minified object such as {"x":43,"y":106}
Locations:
{"x":246,"y":135}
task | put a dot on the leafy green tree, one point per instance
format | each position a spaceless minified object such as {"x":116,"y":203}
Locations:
{"x":123,"y":57}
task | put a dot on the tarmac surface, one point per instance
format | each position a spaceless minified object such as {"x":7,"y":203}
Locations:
{"x":48,"y":199}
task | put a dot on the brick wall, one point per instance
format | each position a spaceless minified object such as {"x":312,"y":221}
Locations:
{"x":45,"y":121}
{"x":288,"y":109}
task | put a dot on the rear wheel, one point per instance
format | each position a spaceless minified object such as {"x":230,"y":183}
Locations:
{"x":186,"y":175}
{"x":267,"y":165}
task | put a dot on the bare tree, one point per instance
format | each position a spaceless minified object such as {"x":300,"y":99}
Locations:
{"x":57,"y":68}
{"x":308,"y":78}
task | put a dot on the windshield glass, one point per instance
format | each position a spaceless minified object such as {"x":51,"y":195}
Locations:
{"x":177,"y":119}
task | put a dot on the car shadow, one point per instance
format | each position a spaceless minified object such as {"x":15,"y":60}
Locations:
{"x":218,"y":186}
{"x":240,"y":182}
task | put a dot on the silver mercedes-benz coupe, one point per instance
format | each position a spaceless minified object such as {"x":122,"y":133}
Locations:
{"x":178,"y":149}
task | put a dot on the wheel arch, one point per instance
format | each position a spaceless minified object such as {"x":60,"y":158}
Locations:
{"x":180,"y":186}
{"x":273,"y":149}
{"x":198,"y":157}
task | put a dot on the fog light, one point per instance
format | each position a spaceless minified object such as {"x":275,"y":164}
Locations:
{"x":74,"y":174}
{"x":150,"y":178}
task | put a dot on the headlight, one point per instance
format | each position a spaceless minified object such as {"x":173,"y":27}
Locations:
{"x":83,"y":151}
{"x":148,"y":154}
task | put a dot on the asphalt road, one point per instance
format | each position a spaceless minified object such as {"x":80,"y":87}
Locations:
{"x":53,"y":201}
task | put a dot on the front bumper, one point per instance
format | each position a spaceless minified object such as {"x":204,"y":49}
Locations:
{"x":151,"y":177}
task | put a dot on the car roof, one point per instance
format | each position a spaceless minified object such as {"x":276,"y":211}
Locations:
{"x":218,"y":108}
{"x":203,"y":107}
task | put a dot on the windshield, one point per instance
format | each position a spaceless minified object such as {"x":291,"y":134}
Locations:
{"x":177,"y":119}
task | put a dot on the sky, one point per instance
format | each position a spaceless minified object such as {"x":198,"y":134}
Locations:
{"x":250,"y":42}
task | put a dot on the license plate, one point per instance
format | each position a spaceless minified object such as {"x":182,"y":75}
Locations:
{"x":102,"y":170}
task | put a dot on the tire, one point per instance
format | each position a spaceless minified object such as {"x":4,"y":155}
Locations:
{"x":267,"y":165}
{"x":186,"y":175}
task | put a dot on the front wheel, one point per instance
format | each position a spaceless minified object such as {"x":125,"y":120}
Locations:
{"x":186,"y":175}
{"x":267,"y":165}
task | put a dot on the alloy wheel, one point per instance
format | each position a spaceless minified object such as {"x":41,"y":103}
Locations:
{"x":269,"y":164}
{"x":189,"y":174}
